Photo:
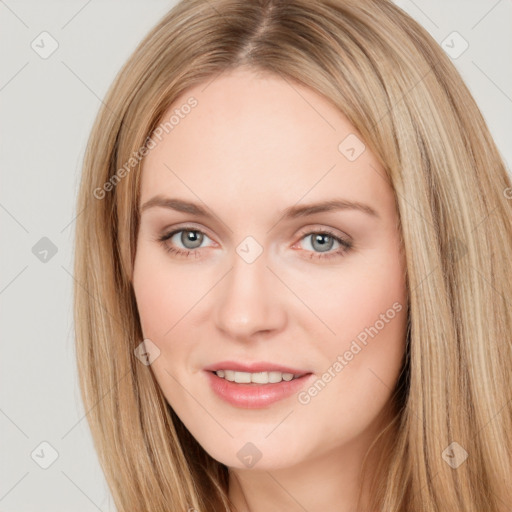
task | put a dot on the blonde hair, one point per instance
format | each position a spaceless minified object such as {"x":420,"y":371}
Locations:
{"x":392,"y":81}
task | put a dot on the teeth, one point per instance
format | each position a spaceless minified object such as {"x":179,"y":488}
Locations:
{"x":257,"y":378}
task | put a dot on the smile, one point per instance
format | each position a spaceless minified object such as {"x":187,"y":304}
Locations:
{"x":258,"y":393}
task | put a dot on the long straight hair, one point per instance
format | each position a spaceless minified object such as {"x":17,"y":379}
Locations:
{"x":393,"y":82}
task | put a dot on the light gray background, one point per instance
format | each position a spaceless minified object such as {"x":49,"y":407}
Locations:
{"x":46,"y":112}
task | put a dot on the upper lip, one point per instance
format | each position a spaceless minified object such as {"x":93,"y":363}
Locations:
{"x":258,"y":366}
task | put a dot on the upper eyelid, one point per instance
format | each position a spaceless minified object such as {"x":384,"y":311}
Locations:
{"x":173,"y":231}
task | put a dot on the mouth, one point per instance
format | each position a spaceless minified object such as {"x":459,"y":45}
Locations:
{"x":255,"y":390}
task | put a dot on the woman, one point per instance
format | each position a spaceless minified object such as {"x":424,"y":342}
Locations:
{"x":226,"y":361}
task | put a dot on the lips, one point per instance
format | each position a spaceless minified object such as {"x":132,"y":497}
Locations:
{"x":255,"y":396}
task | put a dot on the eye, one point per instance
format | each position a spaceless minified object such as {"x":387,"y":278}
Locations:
{"x":190,"y":238}
{"x":323,"y":241}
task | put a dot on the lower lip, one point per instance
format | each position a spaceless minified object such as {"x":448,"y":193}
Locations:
{"x":255,"y":396}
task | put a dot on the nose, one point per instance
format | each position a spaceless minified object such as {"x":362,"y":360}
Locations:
{"x":248,"y":300}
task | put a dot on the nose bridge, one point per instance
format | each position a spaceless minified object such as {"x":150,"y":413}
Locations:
{"x":248,"y":299}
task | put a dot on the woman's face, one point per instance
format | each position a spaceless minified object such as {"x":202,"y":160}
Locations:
{"x":265,"y":277}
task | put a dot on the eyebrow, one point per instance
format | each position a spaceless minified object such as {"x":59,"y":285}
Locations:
{"x":289,"y":213}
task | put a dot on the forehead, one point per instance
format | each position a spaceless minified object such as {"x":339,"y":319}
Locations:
{"x":253,"y":137}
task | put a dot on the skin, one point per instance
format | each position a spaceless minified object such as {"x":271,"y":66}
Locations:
{"x":253,"y":146}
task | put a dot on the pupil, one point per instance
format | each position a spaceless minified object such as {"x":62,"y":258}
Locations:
{"x":191,"y":236}
{"x":321,"y":239}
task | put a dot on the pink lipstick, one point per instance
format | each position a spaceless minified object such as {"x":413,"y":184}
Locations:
{"x":254,"y":395}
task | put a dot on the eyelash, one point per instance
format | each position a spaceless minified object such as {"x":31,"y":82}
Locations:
{"x":346,"y":245}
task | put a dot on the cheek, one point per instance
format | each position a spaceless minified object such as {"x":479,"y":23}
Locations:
{"x":164,"y":296}
{"x":365,"y":290}
{"x":371,"y":295}
{"x":367,"y":312}
{"x":163,"y":293}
